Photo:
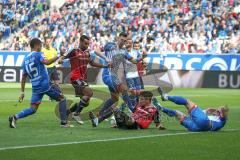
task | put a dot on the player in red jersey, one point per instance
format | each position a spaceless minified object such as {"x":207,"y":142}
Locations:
{"x":79,"y":59}
{"x":144,"y":114}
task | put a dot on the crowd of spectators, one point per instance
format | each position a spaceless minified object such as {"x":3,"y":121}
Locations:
{"x":163,"y":26}
{"x":15,"y":14}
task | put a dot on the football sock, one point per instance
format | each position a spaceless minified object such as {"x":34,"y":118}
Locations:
{"x":133,"y":100}
{"x":178,"y":100}
{"x":169,"y":112}
{"x":126,"y":99}
{"x":63,"y":110}
{"x":25,"y":113}
{"x":74,"y":107}
{"x":122,"y":107}
{"x":83,"y":103}
{"x":106,"y":110}
{"x":106,"y":114}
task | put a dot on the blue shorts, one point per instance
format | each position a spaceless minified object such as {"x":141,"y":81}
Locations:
{"x":134,"y":83}
{"x":112,"y":82}
{"x":53,"y":93}
{"x":197,"y":121}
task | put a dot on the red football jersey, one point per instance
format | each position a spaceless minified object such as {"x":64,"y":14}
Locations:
{"x":144,"y":115}
{"x":79,"y":61}
{"x":141,"y":69}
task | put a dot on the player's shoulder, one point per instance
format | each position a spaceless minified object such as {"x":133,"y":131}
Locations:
{"x":110,"y":46}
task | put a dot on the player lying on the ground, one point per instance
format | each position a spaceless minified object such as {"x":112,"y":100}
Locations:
{"x":34,"y":69}
{"x":198,"y":119}
{"x":142,"y":116}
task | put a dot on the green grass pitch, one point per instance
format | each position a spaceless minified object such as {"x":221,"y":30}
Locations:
{"x":39,"y":137}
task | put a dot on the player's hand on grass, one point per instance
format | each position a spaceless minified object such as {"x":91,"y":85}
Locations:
{"x":160,"y":126}
{"x":21,"y":97}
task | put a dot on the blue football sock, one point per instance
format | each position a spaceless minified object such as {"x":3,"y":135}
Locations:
{"x":133,"y":100}
{"x":157,"y":105}
{"x":25,"y":113}
{"x":105,"y":111}
{"x":127,"y":100}
{"x":178,"y":100}
{"x":63,"y":110}
{"x":169,"y":112}
{"x":122,"y":107}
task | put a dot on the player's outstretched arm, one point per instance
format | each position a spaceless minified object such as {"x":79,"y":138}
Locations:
{"x":50,"y":61}
{"x":136,"y":60}
{"x":100,"y":54}
{"x":23,"y":82}
{"x":95,"y":64}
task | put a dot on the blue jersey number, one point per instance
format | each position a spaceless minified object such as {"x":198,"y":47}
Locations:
{"x":32,"y":70}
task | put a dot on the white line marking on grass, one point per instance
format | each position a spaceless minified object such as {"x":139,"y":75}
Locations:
{"x":106,"y":140}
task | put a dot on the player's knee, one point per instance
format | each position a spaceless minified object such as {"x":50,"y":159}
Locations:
{"x":90,"y":93}
{"x":190,"y":105}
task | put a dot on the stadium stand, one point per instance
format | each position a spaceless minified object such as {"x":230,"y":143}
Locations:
{"x":163,"y":26}
{"x":15,"y":14}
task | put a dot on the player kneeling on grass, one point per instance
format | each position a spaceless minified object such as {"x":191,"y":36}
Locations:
{"x":198,"y":119}
{"x":34,"y":69}
{"x":142,"y":116}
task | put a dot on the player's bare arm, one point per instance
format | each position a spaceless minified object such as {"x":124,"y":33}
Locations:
{"x":101,"y":54}
{"x":50,"y":61}
{"x":23,"y":82}
{"x":135,"y":61}
{"x":95,"y":64}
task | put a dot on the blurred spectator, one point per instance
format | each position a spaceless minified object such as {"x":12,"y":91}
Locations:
{"x":15,"y":15}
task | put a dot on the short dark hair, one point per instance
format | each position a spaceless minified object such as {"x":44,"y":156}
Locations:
{"x":136,"y":42}
{"x":34,"y":42}
{"x":147,"y":95}
{"x":123,"y":34}
{"x":83,"y":37}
